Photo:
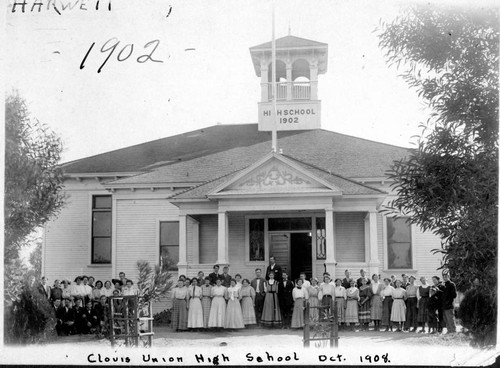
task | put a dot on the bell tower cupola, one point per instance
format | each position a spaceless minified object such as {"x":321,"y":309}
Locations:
{"x":298,"y":63}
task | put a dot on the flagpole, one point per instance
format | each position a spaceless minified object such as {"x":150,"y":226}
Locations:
{"x":274,"y":123}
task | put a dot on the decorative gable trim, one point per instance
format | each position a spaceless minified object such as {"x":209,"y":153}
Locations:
{"x":279,"y":181}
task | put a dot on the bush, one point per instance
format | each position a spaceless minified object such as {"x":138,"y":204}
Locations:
{"x":30,"y":319}
{"x":477,"y":311}
{"x":162,"y":319}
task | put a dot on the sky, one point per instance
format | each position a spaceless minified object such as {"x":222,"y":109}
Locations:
{"x":206,"y":76}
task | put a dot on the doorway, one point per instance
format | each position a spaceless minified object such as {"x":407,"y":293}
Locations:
{"x":293,"y":252}
{"x":300,"y":255}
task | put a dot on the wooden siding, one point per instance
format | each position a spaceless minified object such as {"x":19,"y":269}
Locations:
{"x":67,"y":239}
{"x":350,"y":237}
{"x":208,"y":238}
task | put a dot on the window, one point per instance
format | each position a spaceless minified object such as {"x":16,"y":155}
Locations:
{"x":169,"y":244}
{"x":256,"y":239}
{"x":320,"y":238}
{"x":101,"y":229}
{"x":399,"y":252}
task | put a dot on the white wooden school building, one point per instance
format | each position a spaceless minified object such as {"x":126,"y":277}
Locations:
{"x":221,"y":195}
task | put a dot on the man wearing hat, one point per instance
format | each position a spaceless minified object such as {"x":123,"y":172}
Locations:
{"x":449,"y":295}
{"x":363,"y":276}
{"x":411,"y":306}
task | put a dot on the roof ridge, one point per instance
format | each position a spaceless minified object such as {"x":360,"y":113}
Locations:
{"x":333,"y":174}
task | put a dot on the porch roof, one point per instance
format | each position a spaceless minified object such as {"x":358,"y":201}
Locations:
{"x":346,"y":186}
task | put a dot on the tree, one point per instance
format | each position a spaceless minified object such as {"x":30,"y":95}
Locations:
{"x":448,"y":184}
{"x":36,"y":260}
{"x":33,"y":178}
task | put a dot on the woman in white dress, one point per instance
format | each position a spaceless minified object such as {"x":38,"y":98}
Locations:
{"x":398,"y":312}
{"x":217,"y":316}
{"x":340,"y":299}
{"x":299,"y":295}
{"x":247,"y":303}
{"x":376,"y":302}
{"x":107,"y":289}
{"x":234,"y":315}
{"x":351,"y":312}
{"x":195,"y":313}
{"x":313,"y":291}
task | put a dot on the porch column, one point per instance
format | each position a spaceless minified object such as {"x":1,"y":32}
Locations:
{"x":373,"y":263}
{"x":330,"y":242}
{"x":222,"y":237}
{"x":182,"y":265}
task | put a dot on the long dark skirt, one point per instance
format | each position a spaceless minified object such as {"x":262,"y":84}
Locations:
{"x":386,"y":311}
{"x":423,"y":310}
{"x":271,"y":314}
{"x":411,"y":313}
{"x":179,"y":315}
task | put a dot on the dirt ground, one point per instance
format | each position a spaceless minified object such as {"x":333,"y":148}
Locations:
{"x":275,"y":346}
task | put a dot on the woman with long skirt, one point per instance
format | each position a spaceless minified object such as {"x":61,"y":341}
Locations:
{"x":271,"y":315}
{"x":299,"y":295}
{"x":247,"y":303}
{"x":387,"y":304}
{"x":313,"y":292}
{"x":423,"y":304}
{"x":398,"y":312}
{"x":351,"y":312}
{"x":206,"y":300}
{"x":365,"y":294}
{"x":341,"y":301}
{"x":195,"y":314}
{"x":217,"y":316}
{"x":376,"y":301}
{"x":180,"y":296}
{"x":234,"y":315}
{"x":326,"y":295}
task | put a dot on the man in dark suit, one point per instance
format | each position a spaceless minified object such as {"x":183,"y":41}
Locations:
{"x":285,"y":298}
{"x":274,"y":267}
{"x":258,"y":283}
{"x":43,"y":288}
{"x":363,"y":276}
{"x":65,"y":319}
{"x":215,"y":275}
{"x":226,"y":277}
{"x":346,"y":282}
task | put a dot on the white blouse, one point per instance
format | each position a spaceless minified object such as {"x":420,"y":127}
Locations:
{"x":300,"y":293}
{"x":387,"y":291}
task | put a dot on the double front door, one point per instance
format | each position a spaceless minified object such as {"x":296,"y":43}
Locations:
{"x":293,"y":252}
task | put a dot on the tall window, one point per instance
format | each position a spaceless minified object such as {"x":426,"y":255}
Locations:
{"x":320,"y":238}
{"x":399,"y":252}
{"x":169,"y":243}
{"x":101,"y":229}
{"x":256,"y":239}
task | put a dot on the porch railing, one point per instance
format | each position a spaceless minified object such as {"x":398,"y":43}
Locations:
{"x":299,"y":91}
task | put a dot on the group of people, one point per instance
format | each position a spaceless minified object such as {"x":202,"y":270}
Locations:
{"x":82,"y":307}
{"x":221,"y":301}
{"x":396,"y":303}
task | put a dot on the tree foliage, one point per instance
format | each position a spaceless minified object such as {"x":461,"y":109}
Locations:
{"x":154,"y":283}
{"x":448,"y":184}
{"x":33,"y":178}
